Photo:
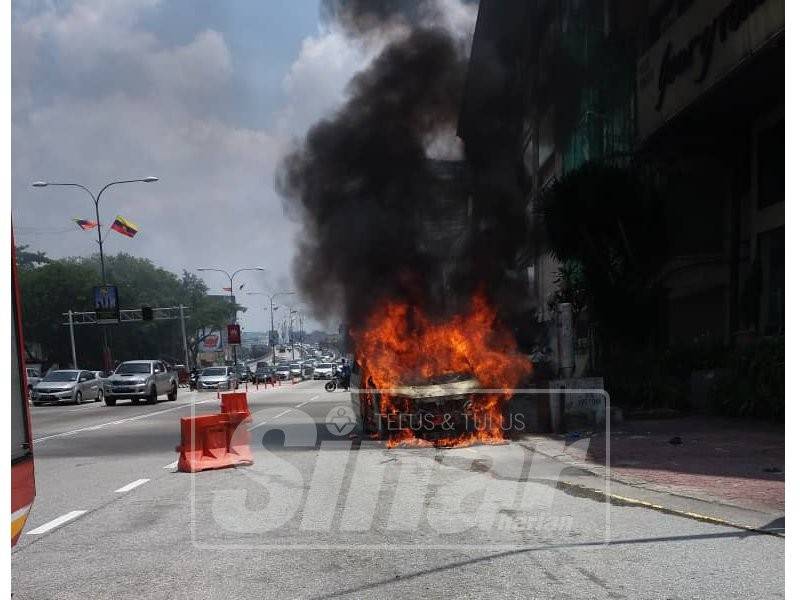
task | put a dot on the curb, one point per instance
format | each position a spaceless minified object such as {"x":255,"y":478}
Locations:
{"x":622,"y":500}
{"x":619,"y":500}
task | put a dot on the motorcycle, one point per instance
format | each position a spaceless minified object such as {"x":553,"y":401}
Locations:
{"x":193,"y":376}
{"x":337,"y":382}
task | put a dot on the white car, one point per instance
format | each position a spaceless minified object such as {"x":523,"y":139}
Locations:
{"x":325,"y":370}
{"x":71,"y":385}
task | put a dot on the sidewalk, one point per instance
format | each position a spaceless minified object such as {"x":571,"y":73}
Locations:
{"x":724,"y":462}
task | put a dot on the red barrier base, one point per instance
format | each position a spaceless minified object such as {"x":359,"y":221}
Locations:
{"x":213,"y":442}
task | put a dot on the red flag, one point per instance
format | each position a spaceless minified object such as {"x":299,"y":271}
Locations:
{"x":85,"y":224}
{"x":226,"y":289}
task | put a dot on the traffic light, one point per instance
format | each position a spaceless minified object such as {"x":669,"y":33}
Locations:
{"x":147,"y":313}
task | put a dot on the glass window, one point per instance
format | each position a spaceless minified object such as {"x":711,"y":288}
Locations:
{"x":62,"y":376}
{"x":770,"y":165}
{"x":131,"y":368}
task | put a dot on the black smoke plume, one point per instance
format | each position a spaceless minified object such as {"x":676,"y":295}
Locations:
{"x":380,"y":217}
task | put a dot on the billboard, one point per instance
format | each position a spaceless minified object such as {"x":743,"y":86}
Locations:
{"x":211,"y":342}
{"x":697,"y":51}
{"x":234,"y":334}
{"x":106,"y":303}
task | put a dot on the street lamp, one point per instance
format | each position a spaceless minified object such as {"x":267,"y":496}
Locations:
{"x":291,"y":328}
{"x":231,"y":277}
{"x":272,"y":309}
{"x":96,"y":200}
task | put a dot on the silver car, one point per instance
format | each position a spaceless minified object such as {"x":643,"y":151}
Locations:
{"x":33,"y":377}
{"x":215,"y":378}
{"x":141,"y":380}
{"x":67,"y":386}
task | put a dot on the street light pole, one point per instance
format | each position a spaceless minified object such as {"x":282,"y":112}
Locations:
{"x":291,"y":330}
{"x":96,"y":201}
{"x":231,"y":277}
{"x":272,"y":309}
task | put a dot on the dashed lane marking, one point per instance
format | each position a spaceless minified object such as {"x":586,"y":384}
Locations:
{"x":56,"y":522}
{"x":117,"y":422}
{"x":131,"y":485}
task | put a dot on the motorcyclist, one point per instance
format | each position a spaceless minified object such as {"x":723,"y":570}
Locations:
{"x":344,"y":374}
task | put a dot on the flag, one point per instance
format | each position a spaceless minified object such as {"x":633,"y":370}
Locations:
{"x":125,"y":227}
{"x":226,"y":289}
{"x":85,"y":224}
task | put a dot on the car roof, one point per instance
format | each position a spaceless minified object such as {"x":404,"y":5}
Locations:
{"x":139,"y":361}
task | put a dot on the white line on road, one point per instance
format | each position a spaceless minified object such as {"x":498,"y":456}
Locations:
{"x":56,"y":522}
{"x":307,"y":401}
{"x":118,"y":422}
{"x":172,"y":465}
{"x":131,"y":485}
{"x":278,"y":416}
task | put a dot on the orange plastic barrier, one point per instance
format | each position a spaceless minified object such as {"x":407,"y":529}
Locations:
{"x":235,"y":402}
{"x":213,"y":442}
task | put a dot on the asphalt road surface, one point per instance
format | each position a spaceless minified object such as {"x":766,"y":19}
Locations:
{"x":319,"y":515}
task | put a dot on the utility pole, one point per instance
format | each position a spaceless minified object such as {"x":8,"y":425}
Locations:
{"x":183,"y":332}
{"x":72,"y":340}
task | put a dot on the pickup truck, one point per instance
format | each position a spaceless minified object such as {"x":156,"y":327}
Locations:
{"x":136,"y":380}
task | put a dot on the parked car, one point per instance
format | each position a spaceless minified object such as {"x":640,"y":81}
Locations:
{"x":324,"y":370}
{"x":215,"y":378}
{"x":136,"y":380}
{"x":71,"y":385}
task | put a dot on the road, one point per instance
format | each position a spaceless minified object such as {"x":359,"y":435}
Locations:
{"x":322,"y":517}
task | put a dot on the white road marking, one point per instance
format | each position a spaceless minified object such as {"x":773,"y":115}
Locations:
{"x":118,"y":422}
{"x":278,"y":416}
{"x":131,"y":485}
{"x":172,"y":465}
{"x":307,"y":401}
{"x":56,"y":522}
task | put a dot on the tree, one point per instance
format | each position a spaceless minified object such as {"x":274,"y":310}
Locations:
{"x":29,"y":260}
{"x":607,"y":225}
{"x":51,"y":287}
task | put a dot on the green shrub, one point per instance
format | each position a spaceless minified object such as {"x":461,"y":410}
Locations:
{"x":755,"y":384}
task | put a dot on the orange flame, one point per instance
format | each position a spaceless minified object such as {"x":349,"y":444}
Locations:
{"x":401,"y":346}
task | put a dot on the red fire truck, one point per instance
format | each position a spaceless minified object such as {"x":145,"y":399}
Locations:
{"x":23,"y":488}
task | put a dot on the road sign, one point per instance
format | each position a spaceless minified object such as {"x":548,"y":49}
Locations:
{"x":106,"y":303}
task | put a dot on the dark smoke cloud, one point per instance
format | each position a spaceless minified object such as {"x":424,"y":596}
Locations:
{"x":360,"y":17}
{"x":380,"y":218}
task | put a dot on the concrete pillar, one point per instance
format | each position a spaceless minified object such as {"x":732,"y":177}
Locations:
{"x":566,"y":340}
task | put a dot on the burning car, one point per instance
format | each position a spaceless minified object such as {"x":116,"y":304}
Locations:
{"x":445,"y":382}
{"x":439,"y":412}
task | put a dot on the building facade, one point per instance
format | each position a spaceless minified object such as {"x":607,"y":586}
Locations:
{"x":691,"y":92}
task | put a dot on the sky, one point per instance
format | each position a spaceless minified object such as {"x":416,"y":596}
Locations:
{"x":208,"y":96}
{"x":205,"y":95}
